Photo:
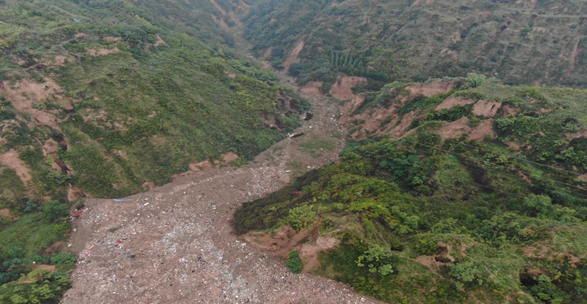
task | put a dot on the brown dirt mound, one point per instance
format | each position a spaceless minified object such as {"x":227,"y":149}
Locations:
{"x":24,"y":95}
{"x":101,"y":52}
{"x":280,"y":242}
{"x":50,"y":147}
{"x":5,"y":213}
{"x":430,"y":89}
{"x":400,"y":129}
{"x":112,"y":39}
{"x":507,"y":110}
{"x":452,"y":102}
{"x":428,"y":261}
{"x":203,"y":166}
{"x":230,"y":157}
{"x":513,"y":145}
{"x":50,"y":268}
{"x":525,"y":177}
{"x":453,"y":54}
{"x":159,"y":41}
{"x":343,"y":87}
{"x":310,"y":252}
{"x":484,"y":128}
{"x":75,"y":193}
{"x":285,"y":240}
{"x":54,"y":248}
{"x":11,"y":160}
{"x":60,"y":60}
{"x":574,"y":54}
{"x":455,"y":129}
{"x":293,"y":56}
{"x":267,"y":53}
{"x":486,"y":108}
{"x":349,"y":107}
{"x":312,"y":87}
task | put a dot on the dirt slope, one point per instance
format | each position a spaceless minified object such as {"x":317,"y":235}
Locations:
{"x":174,"y":244}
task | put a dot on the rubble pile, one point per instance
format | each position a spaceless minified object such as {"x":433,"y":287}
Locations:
{"x":175,"y":244}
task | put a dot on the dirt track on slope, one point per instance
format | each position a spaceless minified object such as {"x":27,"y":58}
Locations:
{"x":174,"y":244}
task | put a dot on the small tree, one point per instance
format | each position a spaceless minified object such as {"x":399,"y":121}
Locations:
{"x":302,"y":217}
{"x":294,"y":263}
{"x":475,"y":80}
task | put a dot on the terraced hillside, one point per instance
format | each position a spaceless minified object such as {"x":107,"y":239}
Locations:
{"x":522,"y":42}
{"x":110,"y":98}
{"x":454,"y":191}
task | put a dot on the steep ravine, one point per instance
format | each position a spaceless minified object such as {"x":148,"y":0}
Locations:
{"x":175,"y":244}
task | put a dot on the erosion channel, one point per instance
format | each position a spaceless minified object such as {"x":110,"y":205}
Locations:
{"x":175,"y":244}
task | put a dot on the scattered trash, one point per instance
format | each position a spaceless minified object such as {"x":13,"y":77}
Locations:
{"x":78,"y":213}
{"x":75,"y":19}
{"x":183,"y":242}
{"x":295,"y":135}
{"x":308,"y":116}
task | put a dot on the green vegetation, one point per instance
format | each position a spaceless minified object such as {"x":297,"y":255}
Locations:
{"x":390,"y":40}
{"x":104,"y":97}
{"x":294,"y":263}
{"x":26,"y":243}
{"x":101,"y":97}
{"x":427,"y":219}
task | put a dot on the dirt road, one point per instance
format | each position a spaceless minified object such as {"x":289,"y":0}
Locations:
{"x":174,"y":244}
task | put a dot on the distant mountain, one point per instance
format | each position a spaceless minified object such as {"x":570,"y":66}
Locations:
{"x":521,"y":42}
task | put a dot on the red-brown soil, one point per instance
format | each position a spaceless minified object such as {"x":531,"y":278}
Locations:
{"x":313,"y":87}
{"x":452,"y":102}
{"x":486,"y":108}
{"x":343,"y":87}
{"x":10,"y":159}
{"x":24,"y":95}
{"x":483,"y":129}
{"x":100,"y":52}
{"x":293,"y":56}
{"x":455,"y":129}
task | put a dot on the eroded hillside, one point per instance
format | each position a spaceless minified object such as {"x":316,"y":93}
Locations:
{"x":523,"y":42}
{"x":454,"y":191}
{"x":111,"y":98}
